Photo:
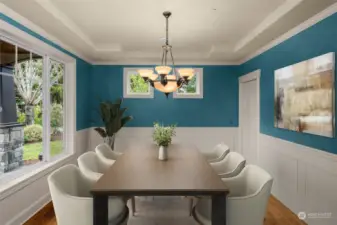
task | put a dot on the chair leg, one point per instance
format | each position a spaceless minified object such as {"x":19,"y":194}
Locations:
{"x":191,"y":205}
{"x":133,"y":205}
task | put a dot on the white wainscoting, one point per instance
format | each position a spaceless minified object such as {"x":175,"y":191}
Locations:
{"x":305,"y":179}
{"x":204,"y":138}
{"x":20,"y":205}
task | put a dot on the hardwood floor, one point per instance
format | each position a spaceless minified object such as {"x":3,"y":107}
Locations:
{"x":277,"y":214}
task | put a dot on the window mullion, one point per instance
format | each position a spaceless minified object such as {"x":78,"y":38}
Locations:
{"x":46,"y":108}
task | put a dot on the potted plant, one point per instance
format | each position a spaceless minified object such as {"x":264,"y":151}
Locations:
{"x":112,"y":116}
{"x":163,"y":137}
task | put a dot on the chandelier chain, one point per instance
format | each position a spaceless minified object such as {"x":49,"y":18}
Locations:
{"x":167,"y":31}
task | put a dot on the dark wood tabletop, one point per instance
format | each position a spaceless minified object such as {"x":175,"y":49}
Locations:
{"x":139,"y":172}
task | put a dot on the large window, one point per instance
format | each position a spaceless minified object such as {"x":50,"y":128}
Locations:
{"x":31,"y":107}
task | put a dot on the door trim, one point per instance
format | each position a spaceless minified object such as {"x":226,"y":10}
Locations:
{"x":255,"y":75}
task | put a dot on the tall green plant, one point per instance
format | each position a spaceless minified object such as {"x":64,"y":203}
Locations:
{"x":113,"y":119}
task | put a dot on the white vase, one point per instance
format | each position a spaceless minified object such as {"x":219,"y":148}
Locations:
{"x":162,"y":153}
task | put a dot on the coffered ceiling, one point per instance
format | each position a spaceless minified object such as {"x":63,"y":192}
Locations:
{"x":132,"y":31}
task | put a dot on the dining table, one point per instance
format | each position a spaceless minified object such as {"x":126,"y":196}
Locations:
{"x":139,"y":172}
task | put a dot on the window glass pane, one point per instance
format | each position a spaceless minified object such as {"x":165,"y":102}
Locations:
{"x":11,"y":132}
{"x":137,"y":84}
{"x":28,"y":89}
{"x":56,"y":100}
{"x":20,"y":96}
{"x":190,"y":88}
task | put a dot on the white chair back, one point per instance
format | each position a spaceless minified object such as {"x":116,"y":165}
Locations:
{"x":230,"y":166}
{"x":218,"y":153}
{"x":247,"y":201}
{"x":72,"y":201}
{"x":104,"y":151}
{"x":91,"y":166}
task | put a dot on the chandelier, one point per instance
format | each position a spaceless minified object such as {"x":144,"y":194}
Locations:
{"x":162,"y":79}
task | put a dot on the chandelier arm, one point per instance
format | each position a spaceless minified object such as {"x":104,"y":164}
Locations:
{"x":162,"y":58}
{"x":166,"y":57}
{"x":173,"y":65}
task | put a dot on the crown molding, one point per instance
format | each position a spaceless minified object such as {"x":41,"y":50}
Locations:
{"x":66,"y":21}
{"x":294,"y":31}
{"x":181,"y":63}
{"x":32,"y":26}
{"x":282,"y":10}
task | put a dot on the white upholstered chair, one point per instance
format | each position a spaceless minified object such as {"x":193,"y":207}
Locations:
{"x":247,"y":200}
{"x":73,"y":204}
{"x":93,"y":167}
{"x":217,"y":154}
{"x":105,"y":153}
{"x":230,"y":166}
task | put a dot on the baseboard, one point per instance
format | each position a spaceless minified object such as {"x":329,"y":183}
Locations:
{"x":27,"y":213}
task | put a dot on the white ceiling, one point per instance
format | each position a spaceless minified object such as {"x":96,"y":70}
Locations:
{"x":132,"y":31}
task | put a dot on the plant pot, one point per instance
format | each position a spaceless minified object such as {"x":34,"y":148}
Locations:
{"x":163,"y":154}
{"x":110,"y":140}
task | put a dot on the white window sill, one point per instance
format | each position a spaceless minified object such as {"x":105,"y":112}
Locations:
{"x":22,"y":177}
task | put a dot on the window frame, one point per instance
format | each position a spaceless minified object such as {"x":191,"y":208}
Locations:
{"x":199,"y":73}
{"x":127,"y":71}
{"x":20,"y":38}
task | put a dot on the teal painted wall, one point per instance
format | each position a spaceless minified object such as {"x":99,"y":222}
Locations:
{"x":220,"y":104}
{"x":218,"y":108}
{"x":314,"y":41}
{"x":83,"y":72}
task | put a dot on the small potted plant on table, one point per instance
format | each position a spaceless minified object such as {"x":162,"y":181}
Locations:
{"x":162,"y":135}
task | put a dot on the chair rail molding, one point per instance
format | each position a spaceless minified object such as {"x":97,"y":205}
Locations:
{"x":204,"y":138}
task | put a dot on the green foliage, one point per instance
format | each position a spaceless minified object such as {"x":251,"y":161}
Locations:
{"x":138,"y":85}
{"x":38,"y":115}
{"x":21,"y":117}
{"x":191,"y":87}
{"x":56,"y":119}
{"x":112,"y":116}
{"x":33,"y":133}
{"x":163,"y":135}
{"x":31,"y":151}
{"x":28,"y":86}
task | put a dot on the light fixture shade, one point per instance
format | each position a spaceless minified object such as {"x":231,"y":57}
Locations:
{"x":153,"y":76}
{"x":145,"y":72}
{"x":163,"y":69}
{"x":186,"y":72}
{"x":171,"y":86}
{"x":171,"y":77}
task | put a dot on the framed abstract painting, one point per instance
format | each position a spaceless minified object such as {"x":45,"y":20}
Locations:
{"x":305,"y":96}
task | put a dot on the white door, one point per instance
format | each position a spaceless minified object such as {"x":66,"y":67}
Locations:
{"x":249,"y":117}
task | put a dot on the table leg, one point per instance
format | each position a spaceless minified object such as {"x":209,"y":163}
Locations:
{"x":219,"y":210}
{"x":133,"y":204}
{"x":100,"y":209}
